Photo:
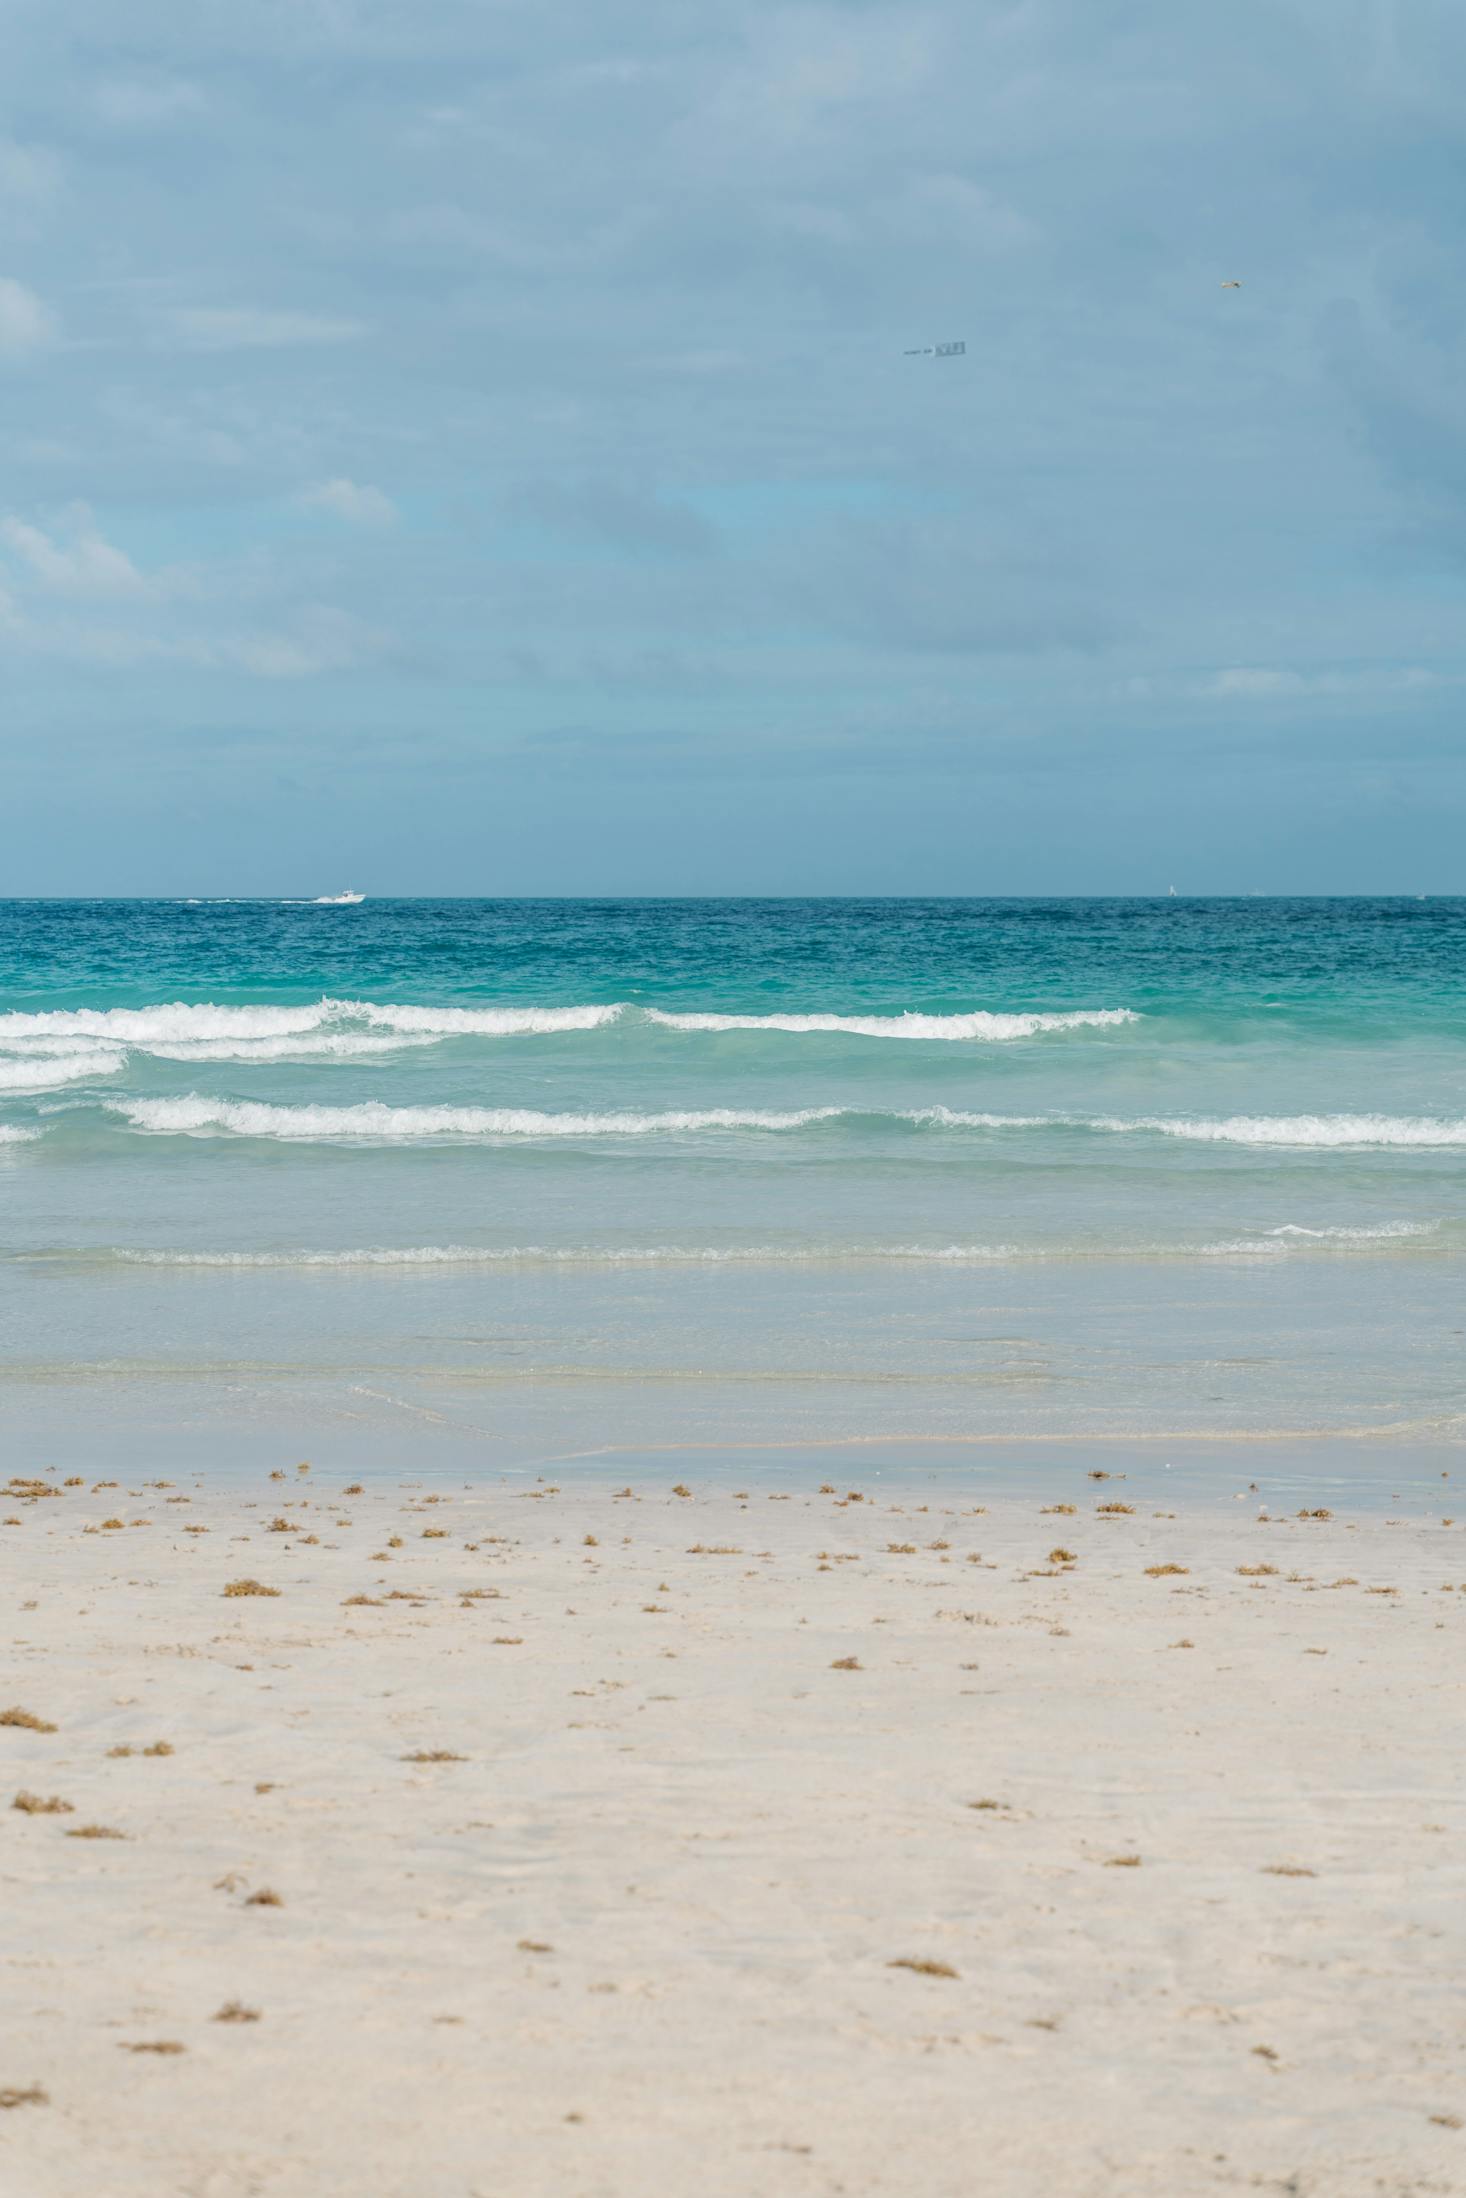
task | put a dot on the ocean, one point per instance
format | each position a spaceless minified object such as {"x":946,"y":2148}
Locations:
{"x":549,"y":1185}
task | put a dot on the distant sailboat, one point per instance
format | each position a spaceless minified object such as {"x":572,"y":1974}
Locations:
{"x":347,"y":899}
{"x":1171,"y":893}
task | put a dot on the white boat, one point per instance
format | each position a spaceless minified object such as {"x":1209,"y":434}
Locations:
{"x":338,"y":900}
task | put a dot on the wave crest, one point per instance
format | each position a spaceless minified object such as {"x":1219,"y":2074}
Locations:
{"x":193,"y":1115}
{"x":473,"y":1255}
{"x":979,"y":1025}
{"x":43,"y":1072}
{"x":181,"y":1022}
{"x":484,"y":1022}
{"x":1301,"y":1131}
{"x":1380,"y":1233}
{"x":1277,"y":1244}
{"x":182,"y":1030}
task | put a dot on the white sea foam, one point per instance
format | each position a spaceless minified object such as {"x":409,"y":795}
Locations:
{"x":483,"y":1022}
{"x":11,"y":1133}
{"x":979,"y":1026}
{"x":1266,"y":1245}
{"x":1284,"y":1243}
{"x":963,"y":1118}
{"x":168,"y":1023}
{"x":195,"y":1115}
{"x":45,"y":1071}
{"x":51,"y":1049}
{"x":1301,"y":1131}
{"x":471,"y":1255}
{"x":342,"y":1026}
{"x":1381,"y":1233}
{"x":184,"y":1023}
{"x":314,"y":1045}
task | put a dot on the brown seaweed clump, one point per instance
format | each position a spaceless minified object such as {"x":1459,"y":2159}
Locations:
{"x":26,"y":1720}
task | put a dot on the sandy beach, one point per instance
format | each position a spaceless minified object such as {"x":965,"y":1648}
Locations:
{"x":425,"y":1843}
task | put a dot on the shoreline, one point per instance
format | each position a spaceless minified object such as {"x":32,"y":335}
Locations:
{"x":602,"y":1868}
{"x":488,"y":1434}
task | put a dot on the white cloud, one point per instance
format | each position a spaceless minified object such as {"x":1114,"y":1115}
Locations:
{"x":129,"y":103}
{"x":1259,"y":683}
{"x":357,"y":502}
{"x":804,"y":69}
{"x":1255,"y":682}
{"x":319,"y":640}
{"x":28,"y":174}
{"x":75,"y":559}
{"x":950,"y":207}
{"x":251,"y":328}
{"x":26,"y":323}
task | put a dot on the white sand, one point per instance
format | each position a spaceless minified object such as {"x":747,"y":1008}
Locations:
{"x":640,"y":1940}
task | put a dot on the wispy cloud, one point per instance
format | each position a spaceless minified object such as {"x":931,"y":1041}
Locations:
{"x":320,"y":639}
{"x":74,"y":558}
{"x":27,"y":324}
{"x":1254,"y":683}
{"x":75,"y":596}
{"x":357,"y":502}
{"x":29,"y":176}
{"x":254,"y":328}
{"x":1271,"y":683}
{"x":315,"y":642}
{"x":146,"y":103}
{"x":615,"y":512}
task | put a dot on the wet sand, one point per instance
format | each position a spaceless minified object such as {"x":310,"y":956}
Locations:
{"x":531,"y":1841}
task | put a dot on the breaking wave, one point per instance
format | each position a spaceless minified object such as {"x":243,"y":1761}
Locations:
{"x":993,"y":1028}
{"x":383,"y":1124}
{"x":168,"y":1024}
{"x":316,"y":1045}
{"x":45,"y":1071}
{"x":13,"y":1134}
{"x":328,"y":1028}
{"x":1303,"y":1131}
{"x":1379,"y":1234}
{"x":193,"y":1114}
{"x":472,"y":1255}
{"x":483,"y":1022}
{"x":180,"y":1022}
{"x":1270,"y":1243}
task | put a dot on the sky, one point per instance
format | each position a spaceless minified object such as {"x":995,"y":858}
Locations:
{"x":469,"y":446}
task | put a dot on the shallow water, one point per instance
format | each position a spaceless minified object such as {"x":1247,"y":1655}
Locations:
{"x":508,"y":1180}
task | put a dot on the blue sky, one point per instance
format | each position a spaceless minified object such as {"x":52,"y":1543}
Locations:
{"x":465,"y":447}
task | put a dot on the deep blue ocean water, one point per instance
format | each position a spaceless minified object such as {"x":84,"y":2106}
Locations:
{"x":505,"y":1179}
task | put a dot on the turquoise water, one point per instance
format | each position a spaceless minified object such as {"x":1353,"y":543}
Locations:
{"x":510,"y":1179}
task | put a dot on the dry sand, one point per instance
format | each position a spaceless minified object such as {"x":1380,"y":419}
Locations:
{"x":726,"y":1846}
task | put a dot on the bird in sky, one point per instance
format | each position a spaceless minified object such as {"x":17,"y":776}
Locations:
{"x":1231,"y":286}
